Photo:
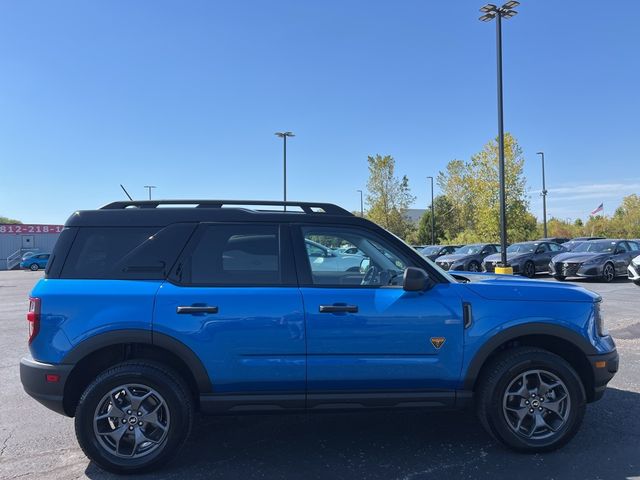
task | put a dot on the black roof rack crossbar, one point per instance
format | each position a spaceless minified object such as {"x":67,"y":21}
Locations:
{"x":306,"y":207}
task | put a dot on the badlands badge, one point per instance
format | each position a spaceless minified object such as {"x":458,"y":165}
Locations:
{"x":437,"y":341}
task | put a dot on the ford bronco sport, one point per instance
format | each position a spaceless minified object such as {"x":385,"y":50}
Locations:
{"x":150,"y":312}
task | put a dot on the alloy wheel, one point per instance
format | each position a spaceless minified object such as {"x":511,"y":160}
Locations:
{"x":131,"y":421}
{"x":608,"y":273}
{"x":536,"y":404}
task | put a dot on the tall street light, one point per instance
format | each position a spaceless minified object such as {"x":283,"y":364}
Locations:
{"x":149,"y":187}
{"x":506,"y":11}
{"x":544,"y":197}
{"x":361,"y":204}
{"x":284,"y":136}
{"x":433,"y":217}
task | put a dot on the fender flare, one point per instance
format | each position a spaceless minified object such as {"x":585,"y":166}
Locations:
{"x":116,"y":337}
{"x":548,"y":329}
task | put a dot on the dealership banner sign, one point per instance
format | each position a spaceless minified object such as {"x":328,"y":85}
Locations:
{"x":29,"y":228}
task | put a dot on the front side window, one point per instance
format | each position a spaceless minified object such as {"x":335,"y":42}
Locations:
{"x":235,"y":255}
{"x":375,"y":264}
{"x":522,"y":248}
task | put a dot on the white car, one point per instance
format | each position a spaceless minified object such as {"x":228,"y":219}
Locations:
{"x":634,"y":270}
{"x":329,"y":260}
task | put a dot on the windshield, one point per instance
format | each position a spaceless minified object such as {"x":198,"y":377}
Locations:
{"x":430,"y":250}
{"x":522,"y":248}
{"x":469,"y":249}
{"x":596,"y":247}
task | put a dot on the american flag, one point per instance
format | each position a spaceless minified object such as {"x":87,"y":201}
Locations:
{"x":598,"y":210}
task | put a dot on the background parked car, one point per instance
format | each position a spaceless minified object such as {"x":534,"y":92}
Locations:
{"x":558,"y":240}
{"x":468,"y":258}
{"x":634,"y":270}
{"x":574,"y":242}
{"x":605,"y":259}
{"x":526,"y":258}
{"x":329,"y":260}
{"x":434,"y":251}
{"x":35,"y":262}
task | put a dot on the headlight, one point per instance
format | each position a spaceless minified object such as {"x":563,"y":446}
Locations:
{"x":601,"y":330}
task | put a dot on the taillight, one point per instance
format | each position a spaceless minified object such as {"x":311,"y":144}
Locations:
{"x":33,"y":318}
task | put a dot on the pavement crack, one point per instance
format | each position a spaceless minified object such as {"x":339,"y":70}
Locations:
{"x":5,"y":441}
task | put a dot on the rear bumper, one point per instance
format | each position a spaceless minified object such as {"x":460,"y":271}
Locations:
{"x":604,"y":368}
{"x":33,"y":375}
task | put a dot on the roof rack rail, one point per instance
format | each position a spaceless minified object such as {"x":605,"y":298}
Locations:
{"x":306,"y":207}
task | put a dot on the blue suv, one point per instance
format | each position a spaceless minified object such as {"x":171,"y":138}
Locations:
{"x":148,"y":315}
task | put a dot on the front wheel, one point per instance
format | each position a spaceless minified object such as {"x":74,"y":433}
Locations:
{"x":134,"y":417}
{"x":637,"y":282}
{"x":529,"y":270}
{"x":560,"y":277}
{"x":474,"y":266}
{"x":34,"y":267}
{"x":608,"y":273}
{"x":531,"y":400}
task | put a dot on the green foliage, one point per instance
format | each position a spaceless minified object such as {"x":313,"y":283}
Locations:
{"x":473,"y":189}
{"x":9,"y":220}
{"x":443,"y":209}
{"x":388,"y":197}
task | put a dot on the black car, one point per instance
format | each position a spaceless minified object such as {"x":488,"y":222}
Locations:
{"x":574,"y":242}
{"x":468,"y":258}
{"x":559,"y":240}
{"x":434,"y":251}
{"x":605,"y":259}
{"x":526,"y":258}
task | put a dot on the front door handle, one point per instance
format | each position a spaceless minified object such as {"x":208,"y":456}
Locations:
{"x":191,"y":309}
{"x":338,"y":308}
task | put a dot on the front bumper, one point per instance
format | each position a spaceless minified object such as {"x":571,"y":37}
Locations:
{"x":38,"y":381}
{"x":634,"y":272}
{"x":604,"y":367}
{"x":568,"y":269}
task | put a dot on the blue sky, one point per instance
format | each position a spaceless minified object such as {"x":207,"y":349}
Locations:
{"x":186,"y":96}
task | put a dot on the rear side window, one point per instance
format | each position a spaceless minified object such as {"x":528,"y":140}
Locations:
{"x":144,"y":253}
{"x":235,"y":255}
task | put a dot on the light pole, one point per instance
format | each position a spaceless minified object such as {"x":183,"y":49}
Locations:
{"x":433,"y":218}
{"x":490,"y":12}
{"x":149,"y":187}
{"x":544,"y":197}
{"x":361,"y":204}
{"x":284,"y":136}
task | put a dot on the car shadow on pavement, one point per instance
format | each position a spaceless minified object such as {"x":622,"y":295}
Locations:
{"x":406,"y":445}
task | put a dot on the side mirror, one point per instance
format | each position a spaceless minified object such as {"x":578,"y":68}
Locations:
{"x":415,"y":280}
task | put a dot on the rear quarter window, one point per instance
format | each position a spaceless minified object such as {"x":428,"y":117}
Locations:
{"x":145,"y":253}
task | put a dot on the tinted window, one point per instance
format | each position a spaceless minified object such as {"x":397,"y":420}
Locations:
{"x":544,"y":247}
{"x":634,"y":246}
{"x":622,"y":247}
{"x":235,"y":255}
{"x":555,"y":247}
{"x":125,"y":252}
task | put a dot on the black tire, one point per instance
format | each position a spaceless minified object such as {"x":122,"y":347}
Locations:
{"x":560,"y":278}
{"x":164,"y":381}
{"x":637,"y":282}
{"x":529,"y":269}
{"x":474,"y":266}
{"x":34,"y":267}
{"x":491,"y":393}
{"x":608,"y":272}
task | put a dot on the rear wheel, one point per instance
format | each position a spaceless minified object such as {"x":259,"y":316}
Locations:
{"x":559,"y":277}
{"x":608,"y":272}
{"x":531,"y":400}
{"x":529,"y":269}
{"x":134,"y":417}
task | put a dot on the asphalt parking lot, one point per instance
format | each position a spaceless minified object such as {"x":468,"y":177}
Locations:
{"x":37,"y":443}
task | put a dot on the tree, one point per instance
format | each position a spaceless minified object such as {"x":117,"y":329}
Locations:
{"x":388,"y":197}
{"x":9,"y":220}
{"x":473,"y":189}
{"x":443,"y":226}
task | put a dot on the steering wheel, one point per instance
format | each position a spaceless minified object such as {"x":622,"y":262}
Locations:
{"x":371,"y":276}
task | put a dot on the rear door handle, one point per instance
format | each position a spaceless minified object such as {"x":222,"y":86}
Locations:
{"x":191,"y":309}
{"x":338,"y":308}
